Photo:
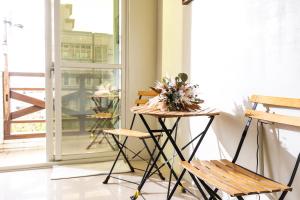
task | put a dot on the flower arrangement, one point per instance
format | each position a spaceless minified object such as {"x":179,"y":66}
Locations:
{"x":175,"y":95}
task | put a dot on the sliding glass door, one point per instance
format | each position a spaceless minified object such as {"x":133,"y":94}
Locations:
{"x":88,"y":78}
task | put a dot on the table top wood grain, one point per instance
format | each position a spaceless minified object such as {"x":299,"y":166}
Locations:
{"x":169,"y":114}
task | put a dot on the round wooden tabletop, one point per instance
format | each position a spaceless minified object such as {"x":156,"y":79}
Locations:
{"x":168,"y":114}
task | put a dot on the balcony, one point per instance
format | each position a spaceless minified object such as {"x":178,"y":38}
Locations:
{"x":23,"y":105}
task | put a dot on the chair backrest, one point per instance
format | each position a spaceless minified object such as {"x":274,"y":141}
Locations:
{"x":280,"y":102}
{"x":143,"y":98}
{"x":144,"y":95}
{"x":266,"y":116}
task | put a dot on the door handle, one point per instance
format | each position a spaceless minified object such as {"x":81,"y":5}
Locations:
{"x":51,"y":70}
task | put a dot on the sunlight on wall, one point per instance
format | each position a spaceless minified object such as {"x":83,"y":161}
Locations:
{"x":239,"y":48}
{"x":141,"y":59}
{"x":171,"y":32}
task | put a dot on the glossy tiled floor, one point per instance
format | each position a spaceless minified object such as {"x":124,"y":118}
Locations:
{"x":33,"y":151}
{"x":36,"y":185}
{"x":22,"y":152}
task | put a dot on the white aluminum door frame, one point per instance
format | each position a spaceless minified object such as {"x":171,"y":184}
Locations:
{"x":54,"y":141}
{"x":57,"y":82}
{"x":48,"y":81}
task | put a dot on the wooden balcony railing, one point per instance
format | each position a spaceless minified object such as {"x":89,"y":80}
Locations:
{"x":12,"y":93}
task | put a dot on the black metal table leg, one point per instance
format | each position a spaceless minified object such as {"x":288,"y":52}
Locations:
{"x":158,"y":145}
{"x":178,"y":151}
{"x":148,"y":166}
{"x":170,"y":176}
{"x":160,"y":152}
{"x":152,"y":159}
{"x":147,"y":173}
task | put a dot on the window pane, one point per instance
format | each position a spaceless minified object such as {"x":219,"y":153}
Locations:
{"x":90,"y":31}
{"x":90,"y":103}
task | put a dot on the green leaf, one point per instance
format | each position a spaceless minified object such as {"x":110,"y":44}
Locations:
{"x":176,"y":79}
{"x":179,"y":84}
{"x":183,"y":77}
{"x":166,"y":80}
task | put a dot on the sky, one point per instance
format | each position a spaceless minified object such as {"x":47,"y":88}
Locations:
{"x":92,"y":15}
{"x":26,"y":46}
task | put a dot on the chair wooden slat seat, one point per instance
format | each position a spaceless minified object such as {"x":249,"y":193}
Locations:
{"x":130,"y":133}
{"x":238,"y":181}
{"x":232,"y":178}
{"x":103,"y":115}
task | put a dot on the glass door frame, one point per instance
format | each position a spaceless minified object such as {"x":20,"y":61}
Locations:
{"x":48,"y":81}
{"x":54,"y":71}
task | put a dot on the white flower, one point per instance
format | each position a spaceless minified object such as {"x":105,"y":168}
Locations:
{"x":175,"y":94}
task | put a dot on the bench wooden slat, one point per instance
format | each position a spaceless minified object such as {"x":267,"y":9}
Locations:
{"x":276,"y":118}
{"x":276,"y":101}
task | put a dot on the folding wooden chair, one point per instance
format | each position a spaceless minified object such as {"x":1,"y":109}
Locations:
{"x":106,"y":117}
{"x":234,"y":179}
{"x":143,"y":136}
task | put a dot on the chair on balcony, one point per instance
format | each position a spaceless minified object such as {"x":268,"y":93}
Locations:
{"x":143,"y":97}
{"x":234,"y":179}
{"x":106,"y":117}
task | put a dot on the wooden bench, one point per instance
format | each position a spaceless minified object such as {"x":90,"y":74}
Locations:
{"x":236,"y":180}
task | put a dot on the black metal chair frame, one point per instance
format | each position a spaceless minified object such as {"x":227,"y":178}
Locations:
{"x":169,"y":133}
{"x":122,"y":146}
{"x":99,"y":123}
{"x":96,"y":133}
{"x":213,"y":193}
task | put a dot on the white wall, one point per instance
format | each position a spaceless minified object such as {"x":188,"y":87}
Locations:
{"x":141,"y":63}
{"x":238,"y":48}
{"x":1,"y":90}
{"x":172,"y":48}
{"x":1,"y":110}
